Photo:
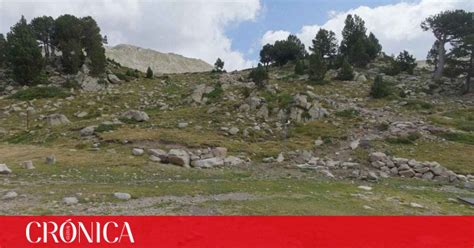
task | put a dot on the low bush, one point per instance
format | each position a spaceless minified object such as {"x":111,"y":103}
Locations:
{"x":40,"y":92}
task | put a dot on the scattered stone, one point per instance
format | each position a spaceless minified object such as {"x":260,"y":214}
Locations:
{"x":70,"y":200}
{"x":233,"y":131}
{"x":354,"y":144}
{"x":4,"y":169}
{"x":138,"y":151}
{"x":233,"y":161}
{"x":280,"y":158}
{"x":158,"y":153}
{"x":88,"y":131}
{"x":10,"y":195}
{"x":113,"y":79}
{"x":318,"y":142}
{"x":363,"y":187}
{"x":179,"y":157}
{"x":51,"y":160}
{"x":28,"y":165}
{"x":182,"y":125}
{"x":208,"y":163}
{"x":136,"y":115}
{"x":416,"y":205}
{"x":56,"y":120}
{"x":122,"y":196}
{"x":220,"y":152}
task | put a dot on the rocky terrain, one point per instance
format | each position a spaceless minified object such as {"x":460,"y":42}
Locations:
{"x":212,"y":143}
{"x":141,"y":58}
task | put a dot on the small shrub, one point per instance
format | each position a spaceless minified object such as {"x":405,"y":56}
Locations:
{"x":71,"y":84}
{"x":149,"y":73}
{"x":299,"y":67}
{"x":346,"y":72}
{"x":393,"y":69}
{"x":380,"y":88}
{"x":216,"y":93}
{"x":259,"y":75}
{"x":418,"y":105}
{"x":317,"y":67}
{"x":39,"y":92}
{"x":105,"y":128}
{"x":406,"y":62}
{"x":407,"y":140}
{"x":348,"y":113}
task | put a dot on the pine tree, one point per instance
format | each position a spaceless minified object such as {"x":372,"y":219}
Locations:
{"x":23,"y":54}
{"x":325,"y":43}
{"x":149,"y":73}
{"x":43,"y":28}
{"x":3,"y":46}
{"x":380,"y":88}
{"x":432,"y":56}
{"x":259,"y":75}
{"x":444,"y":27}
{"x":299,"y":67}
{"x":92,"y":42}
{"x":346,"y":72}
{"x":373,"y":47}
{"x":406,"y":62}
{"x":287,"y":50}
{"x":219,"y":65}
{"x":317,"y":67}
{"x":267,"y":54}
{"x":68,"y":34}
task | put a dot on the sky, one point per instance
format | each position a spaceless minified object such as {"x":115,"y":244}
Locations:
{"x":235,"y":30}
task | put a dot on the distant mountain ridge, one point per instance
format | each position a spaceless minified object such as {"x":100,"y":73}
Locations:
{"x":140,"y":58}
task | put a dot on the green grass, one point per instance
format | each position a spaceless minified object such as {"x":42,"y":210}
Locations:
{"x":40,"y":92}
{"x":460,"y":119}
{"x":418,"y":105}
{"x":466,"y":138}
{"x":409,"y":139}
{"x":348,"y":113}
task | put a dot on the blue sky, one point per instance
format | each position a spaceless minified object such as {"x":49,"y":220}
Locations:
{"x":288,"y":15}
{"x":235,"y":30}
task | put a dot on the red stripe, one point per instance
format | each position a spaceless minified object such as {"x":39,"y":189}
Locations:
{"x":275,"y":232}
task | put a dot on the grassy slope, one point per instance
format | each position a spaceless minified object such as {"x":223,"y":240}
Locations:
{"x":95,"y":175}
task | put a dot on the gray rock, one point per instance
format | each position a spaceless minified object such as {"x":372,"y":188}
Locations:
{"x":428,"y":175}
{"x":88,"y":131}
{"x":377,"y":156}
{"x":113,"y":79}
{"x":438,"y":170}
{"x":162,"y":155}
{"x":406,"y":173}
{"x":318,"y":142}
{"x":70,"y":200}
{"x":137,"y":151}
{"x":136,"y":115}
{"x":220,"y":152}
{"x":50,"y":160}
{"x":179,"y":157}
{"x":122,"y":196}
{"x":354,"y":144}
{"x":154,"y":158}
{"x":56,"y":120}
{"x":183,"y":125}
{"x":4,"y":170}
{"x":208,"y":163}
{"x":28,"y":165}
{"x":10,"y":195}
{"x":233,"y":131}
{"x":280,"y":158}
{"x":233,"y":161}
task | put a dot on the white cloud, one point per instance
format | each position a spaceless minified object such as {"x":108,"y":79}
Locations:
{"x":272,"y":36}
{"x":397,"y":26}
{"x":191,"y":28}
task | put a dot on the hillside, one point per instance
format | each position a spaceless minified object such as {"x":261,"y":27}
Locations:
{"x":208,"y":143}
{"x":140,"y":58}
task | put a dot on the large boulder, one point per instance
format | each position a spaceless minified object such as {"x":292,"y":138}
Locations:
{"x":179,"y":157}
{"x":4,"y":169}
{"x":199,"y":91}
{"x":136,"y":115}
{"x":233,"y":161}
{"x":113,"y":79}
{"x":56,"y":120}
{"x":88,"y":131}
{"x":208,"y":163}
{"x":158,"y":153}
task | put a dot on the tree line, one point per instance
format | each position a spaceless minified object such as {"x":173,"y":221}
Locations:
{"x":357,"y":49}
{"x":71,"y":40}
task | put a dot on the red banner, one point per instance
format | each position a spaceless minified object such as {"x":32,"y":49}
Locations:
{"x":234,"y":232}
